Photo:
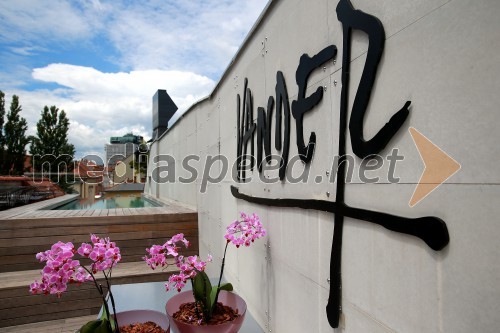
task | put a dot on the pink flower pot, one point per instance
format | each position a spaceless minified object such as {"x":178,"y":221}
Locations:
{"x":142,"y":316}
{"x":227,"y":298}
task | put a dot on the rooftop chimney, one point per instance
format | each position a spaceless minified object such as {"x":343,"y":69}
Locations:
{"x":163,"y":109}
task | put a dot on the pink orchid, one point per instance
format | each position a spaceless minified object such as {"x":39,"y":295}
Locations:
{"x":61,"y":269}
{"x":240,"y":232}
{"x":245,"y":231}
{"x":188,"y":266}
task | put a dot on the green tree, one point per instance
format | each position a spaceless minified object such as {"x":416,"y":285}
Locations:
{"x":2,"y":137}
{"x":50,"y":148}
{"x":15,"y":139}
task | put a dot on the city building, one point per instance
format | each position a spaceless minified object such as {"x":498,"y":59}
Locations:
{"x":119,"y":148}
{"x":88,"y":179}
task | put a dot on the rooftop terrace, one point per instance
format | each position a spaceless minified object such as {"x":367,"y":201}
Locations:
{"x":26,"y":230}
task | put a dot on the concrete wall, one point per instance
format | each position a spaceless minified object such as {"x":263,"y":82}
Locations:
{"x":443,"y":56}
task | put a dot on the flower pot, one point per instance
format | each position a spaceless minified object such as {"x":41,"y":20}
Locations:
{"x":227,"y":298}
{"x":142,"y":316}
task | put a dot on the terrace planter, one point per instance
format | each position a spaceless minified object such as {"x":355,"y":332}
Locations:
{"x":227,"y":298}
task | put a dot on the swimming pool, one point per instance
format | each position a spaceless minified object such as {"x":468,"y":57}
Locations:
{"x":108,"y":203}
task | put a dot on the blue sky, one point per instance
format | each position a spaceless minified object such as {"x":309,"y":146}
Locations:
{"x":102,"y":61}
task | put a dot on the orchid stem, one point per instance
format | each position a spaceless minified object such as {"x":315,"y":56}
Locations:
{"x":101,"y":292}
{"x":221,"y":273}
{"x":117,"y":329}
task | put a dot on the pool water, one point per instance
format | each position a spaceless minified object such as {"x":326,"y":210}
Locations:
{"x":108,"y":203}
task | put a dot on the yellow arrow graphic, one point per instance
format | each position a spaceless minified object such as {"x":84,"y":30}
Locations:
{"x":439,"y":166}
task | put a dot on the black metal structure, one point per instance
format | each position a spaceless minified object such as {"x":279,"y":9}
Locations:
{"x":163,"y":109}
{"x":305,"y":104}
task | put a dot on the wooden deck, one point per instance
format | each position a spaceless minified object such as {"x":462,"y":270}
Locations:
{"x":41,"y":210}
{"x":24,"y":231}
{"x":139,"y":270}
{"x":68,"y":325}
{"x":17,"y":306}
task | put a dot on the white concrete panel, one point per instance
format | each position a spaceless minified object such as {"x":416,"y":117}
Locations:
{"x":208,"y":129}
{"x":228,"y":149}
{"x":386,"y":271}
{"x":298,"y":238}
{"x":213,"y":224}
{"x":203,"y":137}
{"x":226,"y":102}
{"x":211,"y":166}
{"x":356,"y":320}
{"x":213,"y":124}
{"x":188,"y":121}
{"x":469,"y":271}
{"x":149,"y":187}
{"x":326,"y":225}
{"x":253,"y":268}
{"x":451,"y":85}
{"x":177,"y":154}
{"x":399,"y":280}
{"x":253,"y":69}
{"x":442,"y":55}
{"x":395,"y":15}
{"x":203,"y":221}
{"x":189,"y":187}
{"x":295,"y":298}
{"x":294,"y":28}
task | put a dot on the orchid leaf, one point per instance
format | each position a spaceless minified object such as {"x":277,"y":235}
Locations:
{"x":213,"y":294}
{"x":104,"y":316}
{"x":226,"y":287}
{"x":96,"y":326}
{"x":202,"y":288}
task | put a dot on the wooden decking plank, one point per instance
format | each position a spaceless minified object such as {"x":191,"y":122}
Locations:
{"x":39,"y":213}
{"x":50,"y":316}
{"x":68,"y":325}
{"x":96,"y":212}
{"x":25,"y":278}
{"x":88,"y":212}
{"x":97,"y":229}
{"x":50,"y":308}
{"x":77,"y":221}
{"x":84,"y":237}
{"x":79,"y":212}
{"x":67,"y":213}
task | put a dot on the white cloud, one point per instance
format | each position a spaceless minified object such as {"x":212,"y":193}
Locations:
{"x":180,"y":46}
{"x":34,"y":19}
{"x":195,"y":36}
{"x":192,"y":36}
{"x":100,"y":105}
{"x":26,"y":50}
